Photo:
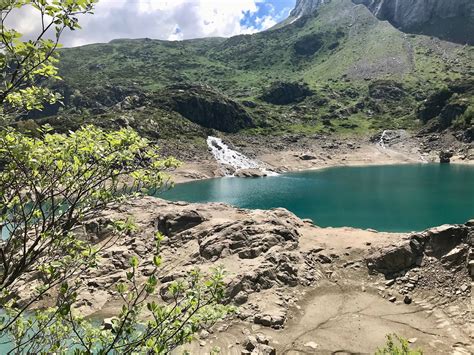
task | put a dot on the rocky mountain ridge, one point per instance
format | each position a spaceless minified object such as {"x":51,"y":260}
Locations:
{"x":453,"y":19}
{"x":306,"y":7}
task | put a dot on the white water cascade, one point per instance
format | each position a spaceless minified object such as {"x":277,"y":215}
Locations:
{"x":226,"y":156}
{"x":382,"y":137}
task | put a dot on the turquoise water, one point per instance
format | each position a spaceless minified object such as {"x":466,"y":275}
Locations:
{"x":396,"y":198}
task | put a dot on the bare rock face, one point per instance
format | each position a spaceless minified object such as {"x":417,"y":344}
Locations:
{"x":259,"y":248}
{"x":452,"y":20}
{"x":246,"y":238}
{"x":392,"y":259}
{"x":205,"y":106}
{"x":448,"y":244}
{"x":306,"y":7}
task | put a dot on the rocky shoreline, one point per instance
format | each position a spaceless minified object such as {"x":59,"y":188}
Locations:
{"x":299,"y":288}
{"x":297,"y":153}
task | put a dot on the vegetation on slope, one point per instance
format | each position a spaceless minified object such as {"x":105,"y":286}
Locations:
{"x":341,"y":53}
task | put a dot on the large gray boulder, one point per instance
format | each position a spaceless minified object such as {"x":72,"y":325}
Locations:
{"x":171,"y":224}
{"x":393,"y":259}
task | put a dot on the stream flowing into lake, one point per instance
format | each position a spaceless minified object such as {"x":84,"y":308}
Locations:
{"x":397,"y":198}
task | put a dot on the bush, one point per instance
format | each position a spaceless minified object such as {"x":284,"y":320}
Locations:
{"x":396,"y":345}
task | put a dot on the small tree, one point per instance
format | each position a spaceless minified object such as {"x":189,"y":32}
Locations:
{"x":25,"y":64}
{"x":49,"y":185}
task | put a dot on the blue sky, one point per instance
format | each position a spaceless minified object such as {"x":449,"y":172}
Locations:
{"x":167,"y":19}
{"x":278,"y":10}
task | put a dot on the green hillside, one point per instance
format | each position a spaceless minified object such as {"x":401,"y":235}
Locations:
{"x":343,"y":71}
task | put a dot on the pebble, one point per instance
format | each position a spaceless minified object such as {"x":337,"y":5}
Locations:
{"x":311,"y":345}
{"x":392,"y":299}
{"x":204,"y":334}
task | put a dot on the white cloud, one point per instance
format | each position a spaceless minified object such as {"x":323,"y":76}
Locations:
{"x":161,"y":19}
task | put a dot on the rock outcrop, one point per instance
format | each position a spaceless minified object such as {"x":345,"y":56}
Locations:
{"x":250,"y":173}
{"x":445,"y":156}
{"x":452,"y":20}
{"x":444,"y":243}
{"x":450,"y":108}
{"x":306,"y":7}
{"x":272,"y":260}
{"x":284,"y":93}
{"x":205,"y":106}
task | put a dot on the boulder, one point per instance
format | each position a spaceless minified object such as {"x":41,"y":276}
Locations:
{"x":308,"y":156}
{"x":393,"y":259}
{"x":441,"y":240}
{"x":250,"y":173}
{"x":173,"y":223}
{"x":456,"y":256}
{"x":445,"y":157}
{"x":275,"y":320}
{"x":386,"y":90}
{"x":284,"y":93}
{"x":99,"y":228}
{"x":258,"y":345}
{"x":108,"y":323}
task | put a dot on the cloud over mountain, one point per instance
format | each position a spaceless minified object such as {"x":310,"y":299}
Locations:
{"x":168,"y":19}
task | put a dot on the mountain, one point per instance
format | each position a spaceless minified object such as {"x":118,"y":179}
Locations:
{"x":306,"y":7}
{"x":337,"y":70}
{"x":452,"y":20}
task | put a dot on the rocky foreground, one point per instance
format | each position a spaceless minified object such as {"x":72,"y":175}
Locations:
{"x":299,"y":288}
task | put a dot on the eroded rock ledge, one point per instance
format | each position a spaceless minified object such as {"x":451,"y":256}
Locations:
{"x":273,"y":259}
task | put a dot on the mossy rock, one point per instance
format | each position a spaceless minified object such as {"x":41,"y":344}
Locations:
{"x":284,"y":93}
{"x":308,"y":45}
{"x":205,"y":106}
{"x":386,"y":90}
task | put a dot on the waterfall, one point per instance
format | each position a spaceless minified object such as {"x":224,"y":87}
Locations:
{"x":226,"y":156}
{"x":382,"y":137}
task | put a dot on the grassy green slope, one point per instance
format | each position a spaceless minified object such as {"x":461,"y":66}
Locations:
{"x":352,"y":50}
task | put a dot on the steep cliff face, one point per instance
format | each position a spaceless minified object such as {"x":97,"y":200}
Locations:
{"x":306,"y":7}
{"x":452,"y":19}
